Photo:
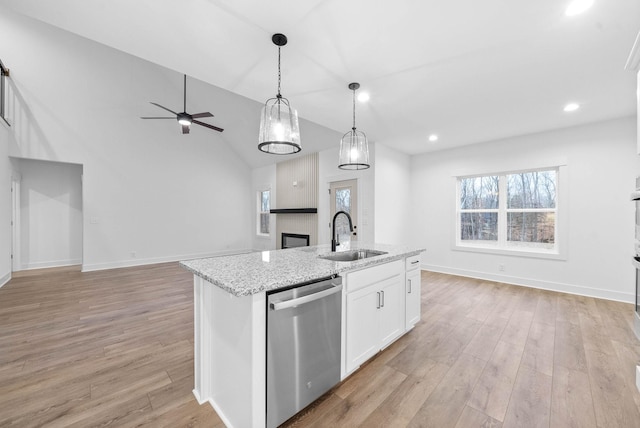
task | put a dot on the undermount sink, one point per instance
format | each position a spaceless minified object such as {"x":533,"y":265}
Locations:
{"x":349,"y":256}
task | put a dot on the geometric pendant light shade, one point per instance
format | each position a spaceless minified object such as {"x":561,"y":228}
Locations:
{"x":279,"y":130}
{"x":354,"y":148}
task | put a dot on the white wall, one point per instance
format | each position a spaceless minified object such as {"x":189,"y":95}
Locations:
{"x":5,"y":206}
{"x":392,"y":196}
{"x":50,"y":213}
{"x":330,"y":172}
{"x":151,"y":194}
{"x":262,"y":179}
{"x":601,"y":165}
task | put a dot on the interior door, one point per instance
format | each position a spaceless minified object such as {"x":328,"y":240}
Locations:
{"x":15,"y":224}
{"x":344,"y":197}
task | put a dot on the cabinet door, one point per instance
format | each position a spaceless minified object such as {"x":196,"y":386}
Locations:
{"x":392,"y":310}
{"x":412,"y":290}
{"x":362,"y":326}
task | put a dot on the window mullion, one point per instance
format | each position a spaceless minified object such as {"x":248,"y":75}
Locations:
{"x":502,"y":211}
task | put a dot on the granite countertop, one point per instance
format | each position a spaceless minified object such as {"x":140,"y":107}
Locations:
{"x":251,"y":273}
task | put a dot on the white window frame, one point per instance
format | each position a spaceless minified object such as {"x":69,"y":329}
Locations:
{"x":4,"y":73}
{"x":259,"y":212}
{"x":500,"y":246}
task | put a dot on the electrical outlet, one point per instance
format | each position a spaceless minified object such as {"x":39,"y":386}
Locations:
{"x":501,"y":268}
{"x":133,"y":254}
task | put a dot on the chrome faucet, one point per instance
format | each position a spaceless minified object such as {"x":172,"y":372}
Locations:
{"x":334,"y":240}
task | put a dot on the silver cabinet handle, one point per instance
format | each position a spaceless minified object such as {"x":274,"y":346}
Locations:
{"x":409,"y":285}
{"x":378,"y":293}
{"x":415,"y":261}
{"x":382,"y":292}
{"x":276,"y":306}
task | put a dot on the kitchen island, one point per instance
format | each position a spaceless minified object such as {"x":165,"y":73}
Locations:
{"x":230,"y":316}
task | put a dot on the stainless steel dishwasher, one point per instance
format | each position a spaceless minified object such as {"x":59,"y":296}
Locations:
{"x":303,"y":345}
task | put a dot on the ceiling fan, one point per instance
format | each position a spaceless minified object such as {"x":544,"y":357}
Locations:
{"x":185,"y":119}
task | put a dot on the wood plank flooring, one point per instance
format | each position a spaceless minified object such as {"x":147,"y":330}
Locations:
{"x":495,"y":355}
{"x":108,"y":348}
{"x":115,"y":348}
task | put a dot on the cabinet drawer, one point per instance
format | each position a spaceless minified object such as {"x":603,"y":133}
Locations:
{"x":412,"y":262}
{"x":371,"y":275}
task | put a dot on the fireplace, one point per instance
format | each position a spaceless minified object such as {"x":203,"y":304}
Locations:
{"x":292,"y":240}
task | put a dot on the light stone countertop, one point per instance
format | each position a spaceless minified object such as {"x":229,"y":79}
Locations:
{"x":251,"y":273}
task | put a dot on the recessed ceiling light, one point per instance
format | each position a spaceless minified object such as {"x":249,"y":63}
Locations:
{"x":433,"y":138}
{"x":363,"y":97}
{"x":571,"y":107}
{"x":576,"y":7}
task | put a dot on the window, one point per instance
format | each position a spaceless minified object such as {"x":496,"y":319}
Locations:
{"x":264,"y":203}
{"x":4,"y":72}
{"x":515,"y":211}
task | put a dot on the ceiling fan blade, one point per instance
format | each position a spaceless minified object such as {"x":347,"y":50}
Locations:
{"x":158,"y":105}
{"x":158,"y":118}
{"x":198,"y":115}
{"x":208,"y":126}
{"x":185,"y":129}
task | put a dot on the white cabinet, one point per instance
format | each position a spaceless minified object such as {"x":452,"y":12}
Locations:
{"x":375,"y":311}
{"x":412,"y":292}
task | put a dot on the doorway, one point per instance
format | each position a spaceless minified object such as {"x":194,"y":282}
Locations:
{"x":344,"y":197}
{"x":46,"y":214}
{"x":15,"y":222}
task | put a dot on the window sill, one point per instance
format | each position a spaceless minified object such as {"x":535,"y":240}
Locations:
{"x":262,"y":236}
{"x":511,"y":252}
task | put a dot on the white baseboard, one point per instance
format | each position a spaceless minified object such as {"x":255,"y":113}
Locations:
{"x":227,"y":423}
{"x":6,"y":278}
{"x":535,"y":283}
{"x":50,"y":264}
{"x":197,"y":395}
{"x":638,"y":377}
{"x":88,"y":267}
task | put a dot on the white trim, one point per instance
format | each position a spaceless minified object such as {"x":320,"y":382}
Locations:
{"x":51,"y":263}
{"x":638,"y":378}
{"x":149,"y":261}
{"x":534,"y":283}
{"x":227,"y":423}
{"x":515,"y":252}
{"x":5,"y":279}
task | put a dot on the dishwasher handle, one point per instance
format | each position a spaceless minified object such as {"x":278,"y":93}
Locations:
{"x":276,"y":306}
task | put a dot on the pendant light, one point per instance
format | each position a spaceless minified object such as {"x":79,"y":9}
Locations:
{"x":354,"y":148}
{"x":279,"y":130}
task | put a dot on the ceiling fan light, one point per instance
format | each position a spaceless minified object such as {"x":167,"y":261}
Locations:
{"x":279,"y":129}
{"x":184,"y":118}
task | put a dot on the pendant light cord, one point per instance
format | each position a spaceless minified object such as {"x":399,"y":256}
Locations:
{"x":279,"y":75}
{"x":354,"y":110}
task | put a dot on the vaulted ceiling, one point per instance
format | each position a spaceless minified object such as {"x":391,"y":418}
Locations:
{"x":466,"y":70}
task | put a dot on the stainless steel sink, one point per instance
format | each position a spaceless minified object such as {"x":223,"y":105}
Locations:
{"x":349,"y":256}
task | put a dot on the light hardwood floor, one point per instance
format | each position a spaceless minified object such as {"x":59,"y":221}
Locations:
{"x":116,"y":348}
